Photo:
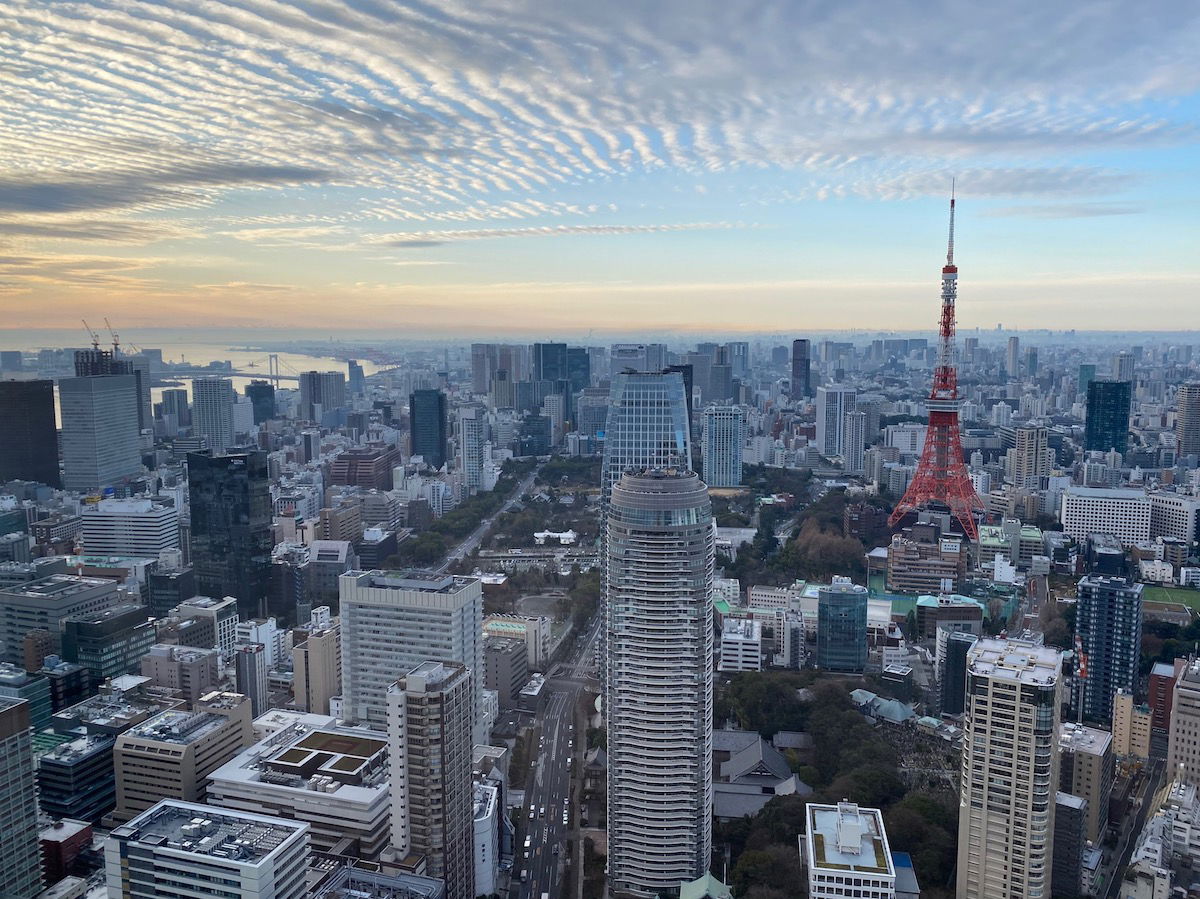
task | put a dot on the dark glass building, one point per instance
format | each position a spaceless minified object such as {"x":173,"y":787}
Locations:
{"x":262,"y":400}
{"x":427,"y":423}
{"x":842,"y":627}
{"x":169,"y":588}
{"x":579,"y":367}
{"x":110,"y":642}
{"x":801,"y":369}
{"x":29,"y":445}
{"x":1108,"y":623}
{"x":550,"y":362}
{"x":231,"y":527}
{"x":953,"y":687}
{"x":1107,"y":424}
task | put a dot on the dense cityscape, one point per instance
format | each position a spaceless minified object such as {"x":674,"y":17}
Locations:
{"x":539,"y":449}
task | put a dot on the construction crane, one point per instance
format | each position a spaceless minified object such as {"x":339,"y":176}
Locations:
{"x":92,"y":334}
{"x":116,"y":340}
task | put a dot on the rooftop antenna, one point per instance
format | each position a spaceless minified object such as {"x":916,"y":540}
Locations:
{"x":950,"y":242}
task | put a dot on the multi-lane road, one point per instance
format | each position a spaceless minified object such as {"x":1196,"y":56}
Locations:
{"x":473,"y":539}
{"x":549,"y":817}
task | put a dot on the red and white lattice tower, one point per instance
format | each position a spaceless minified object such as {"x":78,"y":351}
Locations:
{"x":941,"y":475}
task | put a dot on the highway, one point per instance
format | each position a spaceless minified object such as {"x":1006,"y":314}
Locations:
{"x":473,"y":539}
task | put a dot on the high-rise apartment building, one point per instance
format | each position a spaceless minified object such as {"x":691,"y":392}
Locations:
{"x":20,"y":852}
{"x":854,"y":442}
{"x":212,"y":412}
{"x":647,"y":427}
{"x":1086,"y":771}
{"x":320,"y":392}
{"x":317,"y":664}
{"x":1029,"y":457}
{"x":658,"y":701}
{"x":801,"y":381}
{"x":833,"y":403}
{"x":398,"y":621}
{"x":1106,"y":426}
{"x":472,"y":435}
{"x":231,"y":513}
{"x":189,"y":849}
{"x":1187,"y":419}
{"x":1108,"y":623}
{"x":100,"y":438}
{"x":483,"y":367}
{"x":1123,"y":366}
{"x":250,"y":669}
{"x":724,"y":431}
{"x":429,"y":725}
{"x":129,"y":527}
{"x":842,"y":626}
{"x":1009,"y":770}
{"x":1012,"y":360}
{"x":427,"y":425}
{"x":175,"y":402}
{"x":29,"y":450}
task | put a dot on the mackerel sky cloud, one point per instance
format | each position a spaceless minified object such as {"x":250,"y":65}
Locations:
{"x":705,"y":165}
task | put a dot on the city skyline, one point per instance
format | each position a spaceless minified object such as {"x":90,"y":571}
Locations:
{"x":692,"y":168}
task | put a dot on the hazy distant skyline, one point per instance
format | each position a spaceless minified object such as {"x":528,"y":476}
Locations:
{"x":556,"y":166}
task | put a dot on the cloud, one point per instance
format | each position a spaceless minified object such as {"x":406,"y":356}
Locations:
{"x":438,"y":238}
{"x":108,"y":231}
{"x":1066,"y":210}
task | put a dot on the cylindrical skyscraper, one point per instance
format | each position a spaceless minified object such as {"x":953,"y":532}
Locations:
{"x":658,"y":700}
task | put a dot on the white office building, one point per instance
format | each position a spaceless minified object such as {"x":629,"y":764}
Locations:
{"x":472,"y":436}
{"x":392,"y":623}
{"x":1174,"y":515}
{"x":101,"y":442}
{"x":724,"y":431}
{"x":129,"y":527}
{"x":846,"y":853}
{"x":833,"y":403}
{"x":1010,"y":770}
{"x":658,"y":699}
{"x":741,"y":645}
{"x":1122,"y":512}
{"x":212,"y":412}
{"x":187,"y":849}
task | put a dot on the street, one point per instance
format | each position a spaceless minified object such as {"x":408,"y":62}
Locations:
{"x":471,"y":543}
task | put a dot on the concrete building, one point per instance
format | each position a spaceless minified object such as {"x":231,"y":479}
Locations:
{"x":75,"y":779}
{"x":1187,"y":419}
{"x":658,"y":697}
{"x":1108,"y":623}
{"x":20,"y":855}
{"x":741,"y":645}
{"x":923,"y":560}
{"x":1131,"y":727}
{"x":172,"y":754}
{"x":321,"y":392}
{"x":212,"y":412}
{"x":100,"y":437}
{"x":472,"y":435}
{"x":398,"y":621}
{"x":333,"y":778}
{"x":1029,"y":457}
{"x":1009,"y":770}
{"x":187,"y":849}
{"x":317,"y":663}
{"x":250,"y":667}
{"x":129,"y":527}
{"x":846,"y":853}
{"x":222,"y":613}
{"x":109,"y":642}
{"x":488,"y":839}
{"x":534,"y":630}
{"x":429,"y":721}
{"x":1175,"y":515}
{"x":505,"y":668}
{"x":724,"y":431}
{"x":855,"y":442}
{"x":192,"y":671}
{"x":1122,"y":512}
{"x":44,"y":604}
{"x":842,"y":626}
{"x":1183,"y":752}
{"x":1086,"y":760}
{"x":1161,"y":691}
{"x":833,"y":403}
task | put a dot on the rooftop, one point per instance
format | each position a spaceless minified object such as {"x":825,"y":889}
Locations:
{"x":1078,"y":738}
{"x":58,"y":585}
{"x":1018,"y":660}
{"x":1107,"y":493}
{"x":741,"y":628}
{"x":845,"y":837}
{"x":177,"y":726}
{"x":413,"y":581}
{"x":235,"y":837}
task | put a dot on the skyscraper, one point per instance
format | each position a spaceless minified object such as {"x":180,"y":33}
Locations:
{"x":1123,"y":366}
{"x":833,"y":403}
{"x":801,"y":384}
{"x":1009,"y":770}
{"x":721,"y":446}
{"x":212,"y":411}
{"x":472,"y":435}
{"x":29,"y":447}
{"x":356,"y":379}
{"x":397,"y":621}
{"x":1012,"y":361}
{"x":1187,"y":421}
{"x":659,"y":551}
{"x":579,"y":368}
{"x":175,"y":402}
{"x":1107,"y":424}
{"x":100,"y":438}
{"x":20,"y":852}
{"x":550,"y":362}
{"x":1029,"y":459}
{"x":231,"y":527}
{"x":262,"y":399}
{"x":320,"y":392}
{"x":429,"y":725}
{"x":854,"y":441}
{"x":842,"y":626}
{"x":647,"y":425}
{"x":250,"y":669}
{"x":98,"y":363}
{"x":427,"y":424}
{"x":1108,"y":622}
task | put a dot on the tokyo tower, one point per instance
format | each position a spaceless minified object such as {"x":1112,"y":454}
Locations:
{"x":941,"y":475}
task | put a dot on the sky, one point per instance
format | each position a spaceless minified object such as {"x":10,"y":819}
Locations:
{"x":561,"y":166}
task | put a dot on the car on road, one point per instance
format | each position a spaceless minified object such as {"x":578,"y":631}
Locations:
{"x":542,"y":812}
{"x":531,"y":814}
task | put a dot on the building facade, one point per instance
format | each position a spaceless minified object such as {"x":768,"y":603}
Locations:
{"x":427,"y":426}
{"x":1108,"y":623}
{"x":29,"y":450}
{"x":212,"y":412}
{"x":724,"y":431}
{"x":100,"y":437}
{"x":1106,"y":426}
{"x":842,"y":626}
{"x":20,"y":853}
{"x":647,"y":426}
{"x":833,"y":403}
